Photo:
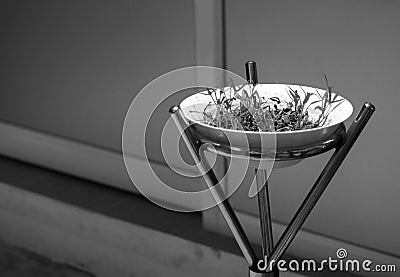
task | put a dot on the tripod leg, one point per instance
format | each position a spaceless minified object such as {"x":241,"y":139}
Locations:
{"x":322,"y":182}
{"x":265,"y":217}
{"x":212,"y":181}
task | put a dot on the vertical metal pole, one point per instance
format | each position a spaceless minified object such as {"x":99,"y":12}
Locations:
{"x":265,"y":217}
{"x":322,"y":182}
{"x":262,"y":187}
{"x":264,"y":212}
{"x":251,"y":72}
{"x":211,"y":181}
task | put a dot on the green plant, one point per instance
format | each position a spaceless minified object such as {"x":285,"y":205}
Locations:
{"x":248,"y":111}
{"x":327,"y":100}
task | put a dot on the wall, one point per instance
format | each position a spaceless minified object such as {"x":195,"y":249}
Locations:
{"x":72,"y":68}
{"x":356,"y":44}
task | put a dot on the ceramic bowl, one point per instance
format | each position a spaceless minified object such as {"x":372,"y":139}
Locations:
{"x":288,"y":147}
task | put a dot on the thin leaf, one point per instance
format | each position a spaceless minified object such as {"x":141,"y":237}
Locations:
{"x":316,"y":90}
{"x":334,"y":108}
{"x":316,"y":101}
{"x":336,"y":96}
{"x":275,"y":99}
{"x":340,"y":100}
{"x":308,"y":95}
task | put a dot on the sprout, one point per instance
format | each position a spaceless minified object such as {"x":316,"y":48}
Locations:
{"x":249,"y":112}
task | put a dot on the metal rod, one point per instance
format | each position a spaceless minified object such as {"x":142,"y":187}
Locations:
{"x":261,"y":179}
{"x":265,"y":212}
{"x":322,"y":182}
{"x":262,"y":187}
{"x":265,"y":218}
{"x":211,"y":181}
{"x":251,"y":72}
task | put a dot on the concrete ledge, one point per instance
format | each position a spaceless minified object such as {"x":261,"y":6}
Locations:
{"x":100,"y":165}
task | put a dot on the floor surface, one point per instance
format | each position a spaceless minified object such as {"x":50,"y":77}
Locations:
{"x":17,"y":262}
{"x":111,"y":202}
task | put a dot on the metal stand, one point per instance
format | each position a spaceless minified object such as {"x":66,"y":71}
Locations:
{"x":273,"y":253}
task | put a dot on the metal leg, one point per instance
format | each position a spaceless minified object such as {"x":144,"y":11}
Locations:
{"x":322,"y":182}
{"x":211,"y":181}
{"x":265,"y":216}
{"x":264,"y":211}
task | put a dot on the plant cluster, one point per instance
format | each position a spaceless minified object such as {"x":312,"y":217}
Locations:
{"x":242,"y":108}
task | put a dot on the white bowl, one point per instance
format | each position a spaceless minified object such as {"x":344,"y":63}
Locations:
{"x":282,"y":146}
